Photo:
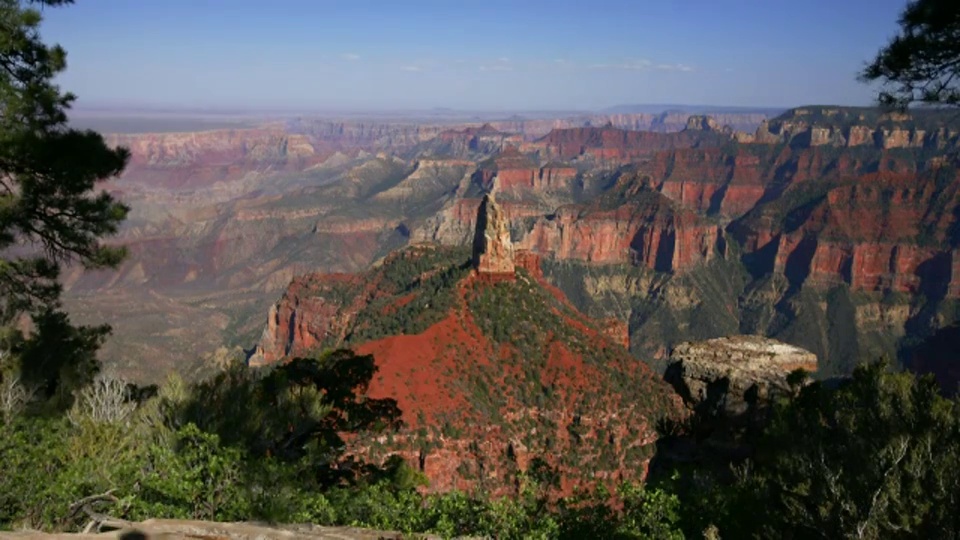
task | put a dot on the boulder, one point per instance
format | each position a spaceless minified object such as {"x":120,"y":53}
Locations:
{"x":733,"y":372}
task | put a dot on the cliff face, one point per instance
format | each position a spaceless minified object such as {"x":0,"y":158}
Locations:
{"x":664,"y":122}
{"x":648,"y":231}
{"x":618,"y":145}
{"x":523,"y":181}
{"x":483,"y":140}
{"x":190,"y":160}
{"x":853,"y":127}
{"x":876,"y":232}
{"x":469,"y":135}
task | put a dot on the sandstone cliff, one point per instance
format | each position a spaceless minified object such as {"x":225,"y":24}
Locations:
{"x":647,"y":230}
{"x":492,"y":249}
{"x":617,"y":145}
{"x":856,"y":127}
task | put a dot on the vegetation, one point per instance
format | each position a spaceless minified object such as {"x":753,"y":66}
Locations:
{"x":50,"y":214}
{"x":416,"y":289}
{"x":879,"y":458}
{"x":874,"y":457}
{"x":269,"y":445}
{"x":922,"y":63}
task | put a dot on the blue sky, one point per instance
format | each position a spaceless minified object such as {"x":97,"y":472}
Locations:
{"x":487,"y":54}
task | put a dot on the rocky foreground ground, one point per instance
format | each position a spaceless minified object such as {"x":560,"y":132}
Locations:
{"x":170,"y":529}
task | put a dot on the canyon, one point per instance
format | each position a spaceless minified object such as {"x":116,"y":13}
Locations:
{"x":829,"y":228}
{"x":523,"y":295}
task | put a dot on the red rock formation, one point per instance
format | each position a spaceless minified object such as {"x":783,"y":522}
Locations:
{"x":303,"y":318}
{"x":530,"y":262}
{"x":875,"y":232}
{"x":649,"y":232}
{"x":458,"y":430}
{"x":708,"y":180}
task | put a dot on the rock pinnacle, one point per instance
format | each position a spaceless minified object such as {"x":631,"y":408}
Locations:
{"x":492,"y":249}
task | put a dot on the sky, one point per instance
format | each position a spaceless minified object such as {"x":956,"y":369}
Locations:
{"x":468,"y":55}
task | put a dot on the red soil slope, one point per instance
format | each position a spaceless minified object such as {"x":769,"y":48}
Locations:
{"x":506,"y":371}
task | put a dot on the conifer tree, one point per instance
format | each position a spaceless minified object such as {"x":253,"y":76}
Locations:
{"x":51,"y":212}
{"x":922,"y":63}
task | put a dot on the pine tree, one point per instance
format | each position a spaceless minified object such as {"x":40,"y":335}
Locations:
{"x":51,"y":212}
{"x":922,"y":63}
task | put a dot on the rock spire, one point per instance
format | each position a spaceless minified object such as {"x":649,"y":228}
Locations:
{"x":492,"y":249}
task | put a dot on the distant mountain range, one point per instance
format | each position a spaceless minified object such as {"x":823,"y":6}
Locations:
{"x":691,"y":109}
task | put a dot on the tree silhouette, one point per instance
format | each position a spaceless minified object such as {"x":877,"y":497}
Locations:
{"x":922,"y":63}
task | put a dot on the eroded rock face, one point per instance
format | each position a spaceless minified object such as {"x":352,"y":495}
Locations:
{"x":849,"y":127}
{"x":617,"y":145}
{"x":492,"y":249}
{"x":650,"y":234}
{"x":734,"y":371}
{"x":702,"y":123}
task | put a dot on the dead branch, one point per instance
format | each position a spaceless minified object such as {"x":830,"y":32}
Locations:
{"x":97,"y":520}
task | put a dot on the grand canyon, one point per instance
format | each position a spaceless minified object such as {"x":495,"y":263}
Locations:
{"x":828,"y":228}
{"x":831,"y":229}
{"x":364,"y":270}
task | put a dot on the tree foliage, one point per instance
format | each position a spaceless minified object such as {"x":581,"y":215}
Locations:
{"x":878,"y":457}
{"x":51,"y":213}
{"x":922,"y":63}
{"x":294,"y":411}
{"x":158,"y":463}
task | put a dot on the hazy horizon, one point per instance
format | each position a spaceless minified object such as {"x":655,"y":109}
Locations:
{"x":499,"y":56}
{"x":87,"y":108}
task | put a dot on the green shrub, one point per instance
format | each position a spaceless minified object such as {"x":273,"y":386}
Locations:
{"x":195,"y":478}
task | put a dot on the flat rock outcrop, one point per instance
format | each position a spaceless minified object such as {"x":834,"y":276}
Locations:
{"x":734,"y":371}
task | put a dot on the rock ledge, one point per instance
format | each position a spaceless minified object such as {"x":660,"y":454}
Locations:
{"x":736,"y":370}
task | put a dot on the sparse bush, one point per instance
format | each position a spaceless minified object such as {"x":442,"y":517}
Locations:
{"x":105,"y":401}
{"x":14,"y":398}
